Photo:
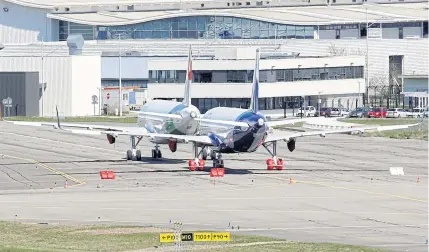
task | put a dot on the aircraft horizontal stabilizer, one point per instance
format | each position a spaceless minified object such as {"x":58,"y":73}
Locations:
{"x":323,"y":133}
{"x":160,"y":115}
{"x":222,"y":123}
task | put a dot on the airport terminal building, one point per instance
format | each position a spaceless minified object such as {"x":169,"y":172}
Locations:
{"x":338,"y":50}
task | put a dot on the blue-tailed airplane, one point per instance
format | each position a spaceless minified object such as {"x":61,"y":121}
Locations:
{"x":220,"y":130}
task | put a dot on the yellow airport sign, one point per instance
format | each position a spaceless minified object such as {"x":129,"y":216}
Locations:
{"x":197,"y":237}
{"x":166,"y":237}
{"x":201,"y":237}
{"x":221,"y":236}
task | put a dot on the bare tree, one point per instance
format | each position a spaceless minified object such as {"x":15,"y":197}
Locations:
{"x":333,"y":50}
{"x":336,"y":51}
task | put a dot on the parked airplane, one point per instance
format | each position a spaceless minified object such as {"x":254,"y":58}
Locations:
{"x":221,"y":130}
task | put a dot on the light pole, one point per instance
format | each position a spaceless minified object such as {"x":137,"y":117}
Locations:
{"x":357,"y":100}
{"x":120,"y":77}
{"x":366,"y":58}
{"x":319,"y":101}
{"x":43,"y":81}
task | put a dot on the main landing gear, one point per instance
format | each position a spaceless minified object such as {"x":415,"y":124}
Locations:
{"x":273,"y":161}
{"x":156,"y":153}
{"x":134,"y":154}
{"x":199,"y":163}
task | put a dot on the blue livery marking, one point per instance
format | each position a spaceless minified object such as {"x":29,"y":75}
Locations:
{"x":215,"y":139}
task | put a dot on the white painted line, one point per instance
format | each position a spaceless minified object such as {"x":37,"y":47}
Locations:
{"x":324,"y":227}
{"x":219,"y":210}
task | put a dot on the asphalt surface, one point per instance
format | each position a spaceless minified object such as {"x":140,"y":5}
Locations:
{"x":343,"y":190}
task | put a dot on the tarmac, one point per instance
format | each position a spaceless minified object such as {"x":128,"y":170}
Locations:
{"x":341,"y":190}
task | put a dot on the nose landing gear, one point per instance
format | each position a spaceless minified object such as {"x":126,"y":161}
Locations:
{"x":273,"y":162}
{"x":204,"y":153}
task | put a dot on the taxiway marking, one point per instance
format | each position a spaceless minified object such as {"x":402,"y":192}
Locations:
{"x":216,"y":210}
{"x":360,"y":190}
{"x":344,"y":188}
{"x":77,"y":181}
{"x":283,"y":179}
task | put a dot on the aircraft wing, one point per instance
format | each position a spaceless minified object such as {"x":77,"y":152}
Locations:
{"x":71,"y":125}
{"x":285,"y":122}
{"x":116,"y":131}
{"x":187,"y":138}
{"x":221,"y":123}
{"x":323,"y":133}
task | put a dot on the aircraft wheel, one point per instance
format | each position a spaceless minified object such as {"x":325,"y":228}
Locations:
{"x":158,"y":154}
{"x":129,"y":154}
{"x":205,"y":154}
{"x":139,"y":155}
{"x":154,"y":154}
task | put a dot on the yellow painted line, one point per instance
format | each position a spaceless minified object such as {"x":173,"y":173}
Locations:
{"x":79,"y":182}
{"x":347,"y":189}
{"x":360,"y":190}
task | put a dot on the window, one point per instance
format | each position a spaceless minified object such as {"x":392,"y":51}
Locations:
{"x":205,"y":27}
{"x":425,"y":29}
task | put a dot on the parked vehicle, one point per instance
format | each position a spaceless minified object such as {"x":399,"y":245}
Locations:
{"x":323,"y":112}
{"x":377,"y":113}
{"x":415,"y":112}
{"x":344,"y":112}
{"x":308,"y":111}
{"x":360,"y":112}
{"x":396,"y":113}
{"x":334,"y":112}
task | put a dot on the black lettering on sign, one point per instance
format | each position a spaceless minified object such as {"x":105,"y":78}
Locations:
{"x":187,"y":236}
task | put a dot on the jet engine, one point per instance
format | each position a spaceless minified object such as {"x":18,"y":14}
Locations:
{"x":111,"y":139}
{"x":291,"y":145}
{"x":172,"y":144}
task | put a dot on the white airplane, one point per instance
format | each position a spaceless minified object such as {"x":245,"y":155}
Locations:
{"x":223,"y":130}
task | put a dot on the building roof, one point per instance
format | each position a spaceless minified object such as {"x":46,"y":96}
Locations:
{"x":314,"y":15}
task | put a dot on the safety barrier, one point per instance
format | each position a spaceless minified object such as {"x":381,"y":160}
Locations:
{"x":217,"y":172}
{"x":107,"y":175}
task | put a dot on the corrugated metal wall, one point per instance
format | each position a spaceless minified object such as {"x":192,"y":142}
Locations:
{"x":23,"y":25}
{"x":379,"y":51}
{"x":13,"y":85}
{"x":56,"y":75}
{"x":32,"y":93}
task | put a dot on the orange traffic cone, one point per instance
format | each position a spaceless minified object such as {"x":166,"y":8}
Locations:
{"x":291,"y":181}
{"x":418,"y":179}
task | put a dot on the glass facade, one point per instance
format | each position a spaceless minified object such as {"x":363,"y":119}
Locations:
{"x":292,"y":102}
{"x":206,"y":27}
{"x":66,"y":28}
{"x":269,"y":76}
{"x":125,"y":83}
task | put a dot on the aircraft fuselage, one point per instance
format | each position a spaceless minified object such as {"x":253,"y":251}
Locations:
{"x":184,"y":126}
{"x":235,"y":139}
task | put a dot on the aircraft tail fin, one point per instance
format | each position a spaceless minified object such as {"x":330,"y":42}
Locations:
{"x":254,"y":104}
{"x":188,"y":81}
